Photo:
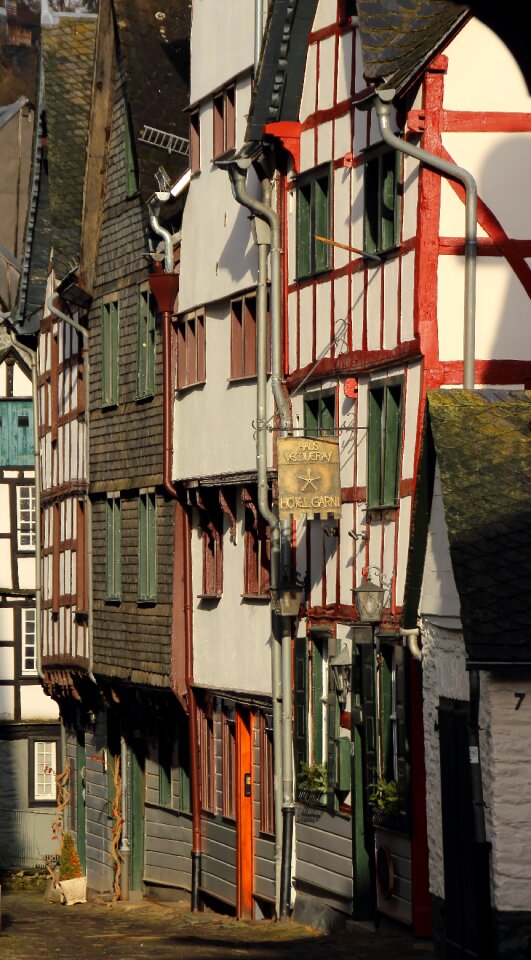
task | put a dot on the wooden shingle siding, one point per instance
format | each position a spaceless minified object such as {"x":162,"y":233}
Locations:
{"x":99,"y":823}
{"x":324,"y":858}
{"x":168,"y":835}
{"x":218,"y":839}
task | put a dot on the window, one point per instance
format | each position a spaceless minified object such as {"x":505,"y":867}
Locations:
{"x":382,"y":208}
{"x":224,"y":120}
{"x":384,"y":442}
{"x":228,"y":740}
{"x":131,"y":171}
{"x":183,"y":769}
{"x":145,"y":345}
{"x":147,"y":547}
{"x":113,"y":582}
{"x":256,"y":548}
{"x":243,"y":337}
{"x":26,"y":517}
{"x":316,"y":713}
{"x":81,"y":560}
{"x":44,"y":770}
{"x":195,"y":142}
{"x":313,"y":220}
{"x":267,"y":793}
{"x":208,"y":775}
{"x":110,"y":346}
{"x":165,"y":770}
{"x":320,"y":415}
{"x":191,"y":350}
{"x":211,"y":520}
{"x":29,"y":661}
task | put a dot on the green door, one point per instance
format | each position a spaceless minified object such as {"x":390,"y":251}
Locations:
{"x":136,"y":861}
{"x":363,"y":771}
{"x":80,"y":801}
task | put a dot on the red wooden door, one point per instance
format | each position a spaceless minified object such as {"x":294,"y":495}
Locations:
{"x":244,"y":813}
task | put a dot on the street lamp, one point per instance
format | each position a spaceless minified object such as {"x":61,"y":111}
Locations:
{"x":369,"y":601}
{"x":341,"y":666}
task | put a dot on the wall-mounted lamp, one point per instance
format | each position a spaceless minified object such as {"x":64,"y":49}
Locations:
{"x":369,"y":601}
{"x":341,"y":666}
{"x":286,"y":601}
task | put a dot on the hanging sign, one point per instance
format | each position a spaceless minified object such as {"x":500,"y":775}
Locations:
{"x":308,"y":477}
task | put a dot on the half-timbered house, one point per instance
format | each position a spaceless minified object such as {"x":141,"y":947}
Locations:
{"x":30,"y":738}
{"x":378,"y":287}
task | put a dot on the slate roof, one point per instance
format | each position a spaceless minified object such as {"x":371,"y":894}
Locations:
{"x":483,"y":445}
{"x":155,"y":47}
{"x":68,"y":56}
{"x":400,"y":37}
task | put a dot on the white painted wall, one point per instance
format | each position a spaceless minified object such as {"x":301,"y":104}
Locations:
{"x":231,"y":636}
{"x":472,"y":83}
{"x":35,"y":705}
{"x":222,"y":43}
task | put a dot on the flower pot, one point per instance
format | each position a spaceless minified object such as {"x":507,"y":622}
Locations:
{"x":73,"y":891}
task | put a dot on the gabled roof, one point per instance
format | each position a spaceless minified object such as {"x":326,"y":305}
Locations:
{"x":400,"y":37}
{"x":154,"y":37}
{"x":482,"y":441}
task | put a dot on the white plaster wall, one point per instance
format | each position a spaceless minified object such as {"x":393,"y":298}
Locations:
{"x":439,"y":595}
{"x":7,"y":703}
{"x":218,"y":255}
{"x":501,"y":304}
{"x":222,"y":43}
{"x":26,"y":572}
{"x":471,"y":82}
{"x":7,"y":663}
{"x":506,"y":768}
{"x":35,"y":705}
{"x":6,"y":624}
{"x":4,"y":524}
{"x":213,"y":424}
{"x":443,"y":675}
{"x":21,"y":382}
{"x":231,"y":637}
{"x":325,"y":14}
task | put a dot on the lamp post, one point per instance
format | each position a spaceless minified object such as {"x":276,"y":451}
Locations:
{"x":369,"y":601}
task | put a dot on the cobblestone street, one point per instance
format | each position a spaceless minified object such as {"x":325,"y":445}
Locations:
{"x":33,"y":928}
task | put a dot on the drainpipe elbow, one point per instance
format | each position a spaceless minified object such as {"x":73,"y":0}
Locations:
{"x":165,"y":235}
{"x":412,"y":635}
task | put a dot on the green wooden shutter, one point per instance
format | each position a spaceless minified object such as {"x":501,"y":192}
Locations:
{"x":110,"y":345}
{"x":311,"y":418}
{"x":304,"y":230}
{"x":131,"y":175}
{"x":374,"y":447}
{"x":165,"y":769}
{"x":183,"y":747}
{"x":321,"y":207}
{"x":317,"y":712}
{"x":402,"y":744}
{"x":301,"y":702}
{"x":147,"y":547}
{"x":387,"y":199}
{"x":145,"y":351}
{"x":369,"y":711}
{"x":385,"y":680}
{"x":113,"y":548}
{"x":393,"y":406}
{"x":371,"y":204}
{"x":328,"y":415}
{"x":332,"y":729}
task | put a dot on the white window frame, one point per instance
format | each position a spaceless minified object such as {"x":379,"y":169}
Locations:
{"x":31,"y":521}
{"x":45,"y":756}
{"x":29,"y":638}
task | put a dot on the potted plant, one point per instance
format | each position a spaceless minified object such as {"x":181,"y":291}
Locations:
{"x":72,"y":883}
{"x":384,"y":799}
{"x":312,"y":782}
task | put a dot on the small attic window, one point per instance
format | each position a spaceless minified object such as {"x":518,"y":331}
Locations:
{"x":23,"y":421}
{"x":131,"y":172}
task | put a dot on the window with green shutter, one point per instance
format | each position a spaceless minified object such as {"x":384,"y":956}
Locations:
{"x":16,"y":433}
{"x":320,"y":415}
{"x":131,"y":171}
{"x":113,"y":580}
{"x":147,"y":547}
{"x":384,"y":443}
{"x":165,"y":758}
{"x":382,"y":190}
{"x":313,"y":220}
{"x":110,"y":348}
{"x":145,"y":345}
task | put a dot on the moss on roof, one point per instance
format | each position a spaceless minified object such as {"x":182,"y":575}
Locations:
{"x":483,"y":445}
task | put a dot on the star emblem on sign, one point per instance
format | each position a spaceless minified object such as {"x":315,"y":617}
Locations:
{"x":309,"y":479}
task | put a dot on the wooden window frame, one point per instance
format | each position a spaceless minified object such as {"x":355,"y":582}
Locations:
{"x":320,"y":414}
{"x":195,"y":142}
{"x":313,"y":256}
{"x":257,"y":549}
{"x":145,"y":344}
{"x":81,"y":560}
{"x":191,"y":349}
{"x":38,"y":798}
{"x":315,"y":707}
{"x":184,"y":799}
{"x":267,"y":782}
{"x":243,"y":339}
{"x":384,"y":442}
{"x":110,"y":352}
{"x":29,"y":671}
{"x":224,"y":120}
{"x":211,"y":521}
{"x":147,"y":546}
{"x":382,"y":190}
{"x":207,"y":759}
{"x":113,"y":528}
{"x":26,"y":526}
{"x":228,"y":763}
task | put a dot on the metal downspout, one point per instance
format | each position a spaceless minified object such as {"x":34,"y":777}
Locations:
{"x":382,"y":107}
{"x":192,"y":711}
{"x":83,"y":332}
{"x":265,"y":212}
{"x":258,"y":31}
